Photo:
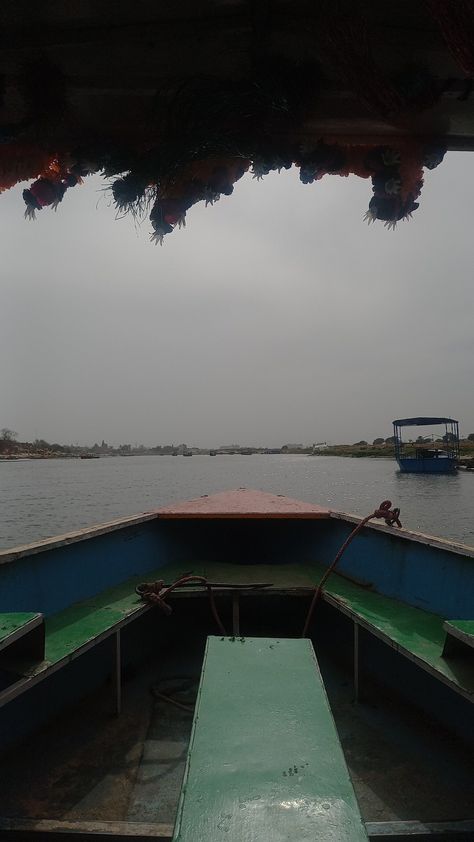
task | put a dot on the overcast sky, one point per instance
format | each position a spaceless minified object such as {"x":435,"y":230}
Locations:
{"x":275,"y":316}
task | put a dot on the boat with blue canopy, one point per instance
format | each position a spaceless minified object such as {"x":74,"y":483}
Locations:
{"x":425,"y":458}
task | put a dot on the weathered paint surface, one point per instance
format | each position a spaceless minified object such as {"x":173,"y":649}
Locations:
{"x":410,"y":630}
{"x":411,"y":465}
{"x":244,"y":503}
{"x":462,"y":629}
{"x":11,"y":623}
{"x":265,"y":762}
{"x":432,"y":578}
{"x":70,"y":629}
{"x":55,"y":579}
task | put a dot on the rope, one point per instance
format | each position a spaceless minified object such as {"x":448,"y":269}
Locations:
{"x":384,"y":512}
{"x":186,"y":684}
{"x":156,"y":593}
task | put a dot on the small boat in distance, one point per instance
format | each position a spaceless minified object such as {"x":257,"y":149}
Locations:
{"x":428,"y":460}
{"x":90,"y":456}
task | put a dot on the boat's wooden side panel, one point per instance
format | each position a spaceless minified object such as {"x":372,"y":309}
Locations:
{"x":427,"y":575}
{"x":265,"y":760}
{"x":51,"y":581}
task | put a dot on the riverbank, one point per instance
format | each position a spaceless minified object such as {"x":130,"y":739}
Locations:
{"x":387,"y":451}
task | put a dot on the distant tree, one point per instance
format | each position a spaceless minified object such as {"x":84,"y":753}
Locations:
{"x":390,"y":440}
{"x":379,"y":441}
{"x":470,"y":437}
{"x":8,"y":435}
{"x":41,"y":444}
{"x":362,"y":443}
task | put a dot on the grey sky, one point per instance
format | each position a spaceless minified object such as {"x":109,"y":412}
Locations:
{"x":277,"y":315}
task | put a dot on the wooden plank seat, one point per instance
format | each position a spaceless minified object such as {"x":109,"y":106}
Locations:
{"x":462,"y":630}
{"x":22,"y":636}
{"x":418,"y":635}
{"x":19,"y":626}
{"x":264,"y":760}
{"x":459,"y":641}
{"x":71,"y":632}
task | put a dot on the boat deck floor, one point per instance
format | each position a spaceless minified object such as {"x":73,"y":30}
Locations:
{"x":91,"y":765}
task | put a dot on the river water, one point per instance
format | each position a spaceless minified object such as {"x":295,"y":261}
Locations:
{"x":42,"y":498}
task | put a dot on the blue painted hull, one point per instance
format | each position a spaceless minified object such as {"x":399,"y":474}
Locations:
{"x":52,"y":577}
{"x":427,"y":466}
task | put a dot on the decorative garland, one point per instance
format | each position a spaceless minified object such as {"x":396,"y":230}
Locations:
{"x":49,"y":190}
{"x":396,"y":173}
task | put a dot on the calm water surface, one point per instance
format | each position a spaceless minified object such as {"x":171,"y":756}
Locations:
{"x":39,"y":499}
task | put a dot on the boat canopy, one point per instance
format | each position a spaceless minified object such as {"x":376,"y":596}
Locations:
{"x":422,"y":421}
{"x":378,"y":90}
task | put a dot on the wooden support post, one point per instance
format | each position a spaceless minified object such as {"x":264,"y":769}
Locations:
{"x":118,"y":674}
{"x":356,"y":661}
{"x":235,"y":614}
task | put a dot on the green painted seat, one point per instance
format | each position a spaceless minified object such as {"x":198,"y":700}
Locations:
{"x":21,"y":640}
{"x":462,"y":630}
{"x":14,"y":626}
{"x":83,"y":624}
{"x":264,"y":761}
{"x":75,"y":628}
{"x":459,"y":643}
{"x":419,"y":635}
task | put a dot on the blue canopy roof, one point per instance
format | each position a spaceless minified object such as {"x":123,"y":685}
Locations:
{"x":422,"y":421}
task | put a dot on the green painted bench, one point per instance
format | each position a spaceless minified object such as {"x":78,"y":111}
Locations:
{"x":264,"y":760}
{"x":419,"y":635}
{"x":416,"y":634}
{"x":15,"y":626}
{"x":22,"y":636}
{"x":459,"y":641}
{"x":71,"y":632}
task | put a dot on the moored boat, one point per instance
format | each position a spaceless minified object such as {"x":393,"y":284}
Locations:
{"x":428,"y":459}
{"x":199,"y":609}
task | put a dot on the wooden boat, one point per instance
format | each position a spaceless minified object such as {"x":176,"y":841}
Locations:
{"x":176,"y":103}
{"x":428,"y":460}
{"x":224,"y":714}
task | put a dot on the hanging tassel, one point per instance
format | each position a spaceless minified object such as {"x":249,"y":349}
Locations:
{"x":165,"y":215}
{"x":42,"y":192}
{"x":129,"y":193}
{"x":321,"y":160}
